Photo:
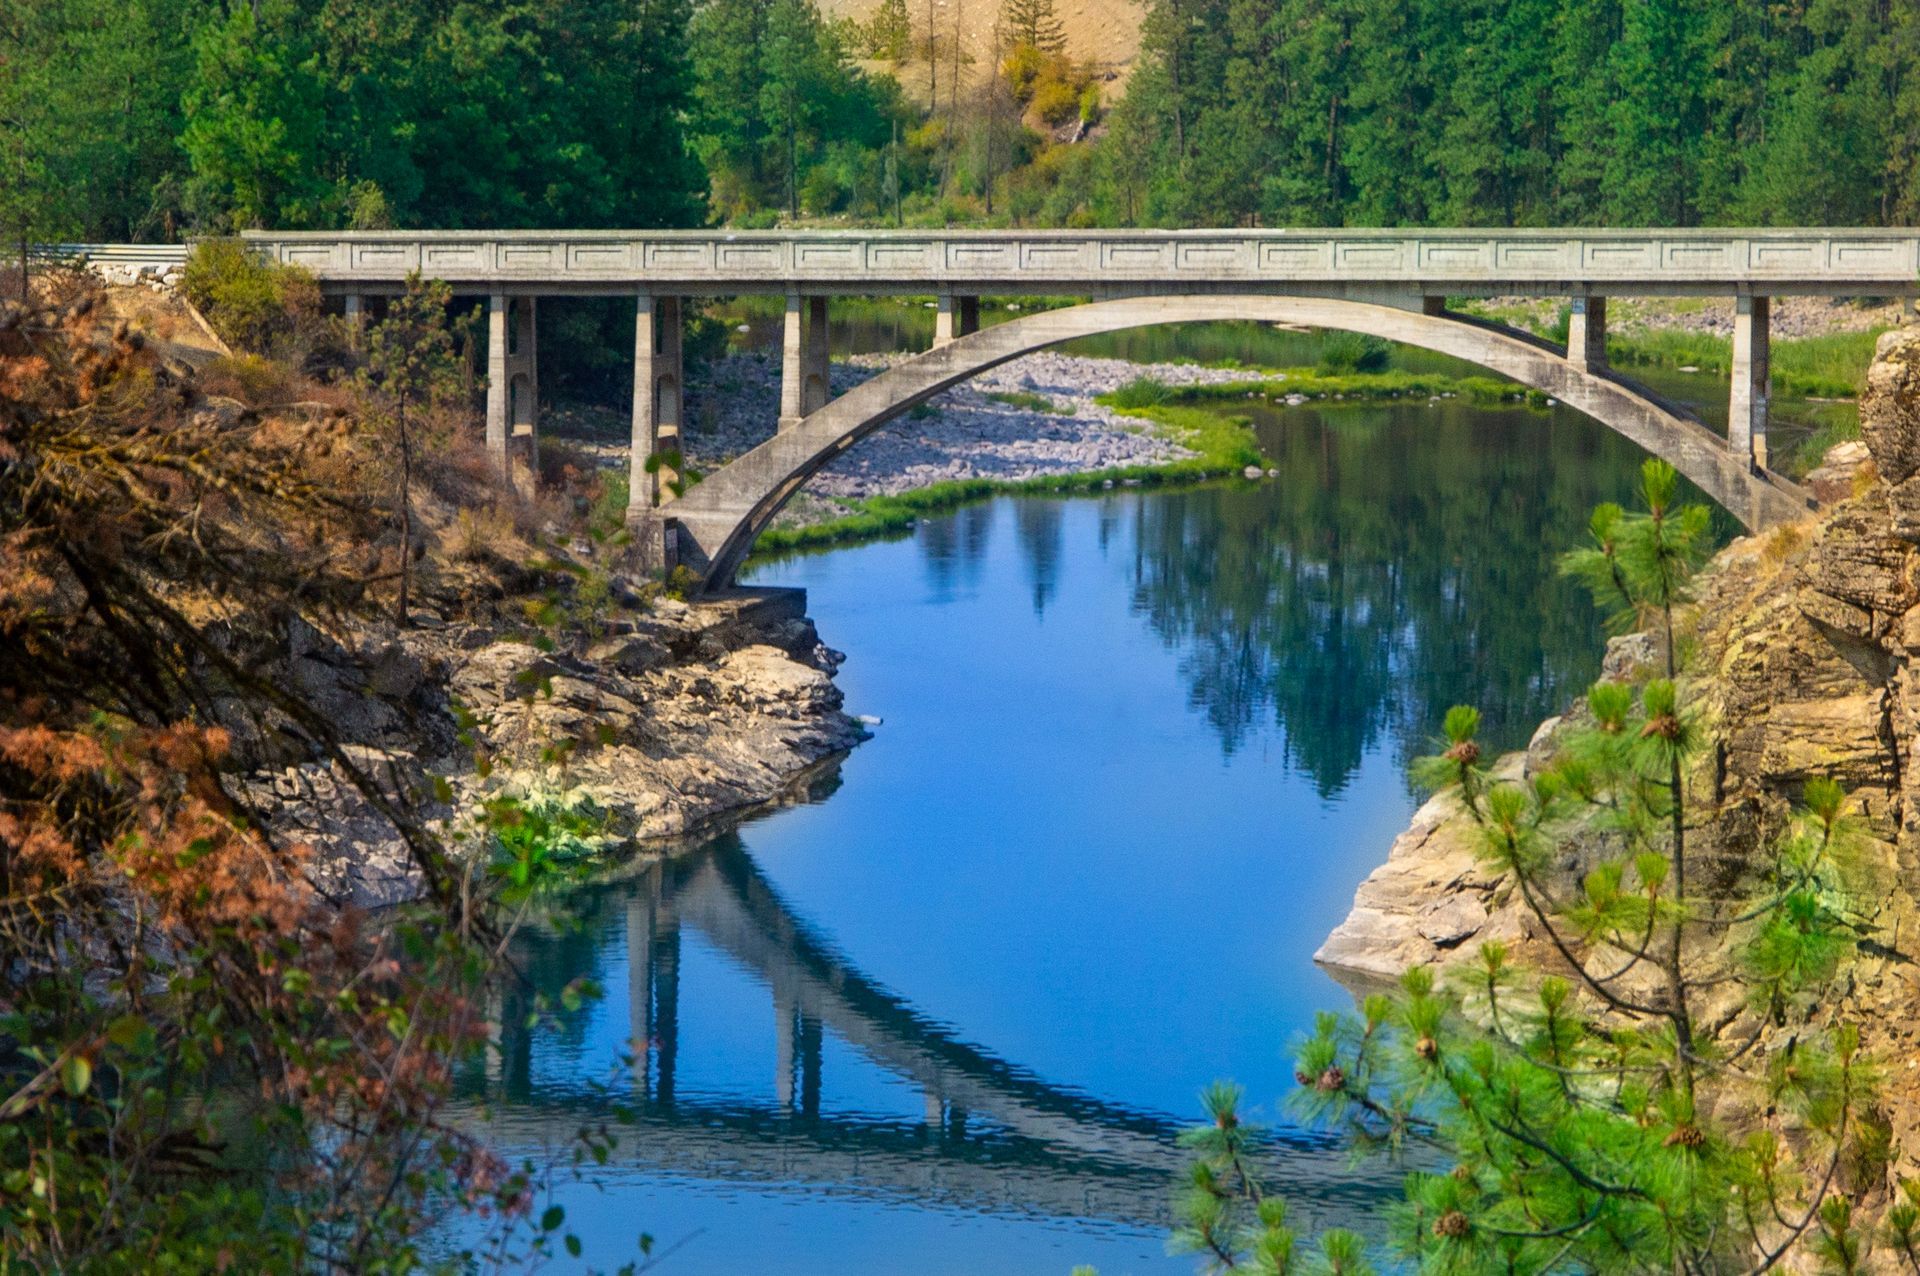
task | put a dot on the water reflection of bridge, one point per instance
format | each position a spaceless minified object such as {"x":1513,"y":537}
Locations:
{"x":992,"y":1136}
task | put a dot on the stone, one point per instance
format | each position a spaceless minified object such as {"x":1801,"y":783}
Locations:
{"x":1844,"y":739}
{"x":1834,"y":479}
{"x":1629,"y":656}
{"x":1450,"y":921}
{"x":1890,"y":406}
{"x":1542,"y":745}
{"x":631,"y":654}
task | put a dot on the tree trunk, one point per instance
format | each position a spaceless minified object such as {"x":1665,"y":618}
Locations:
{"x":406,"y":520}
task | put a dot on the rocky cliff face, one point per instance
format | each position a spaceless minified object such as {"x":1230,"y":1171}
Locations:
{"x":1806,"y":663}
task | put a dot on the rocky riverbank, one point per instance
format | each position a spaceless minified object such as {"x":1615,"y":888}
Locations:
{"x":660,"y":721}
{"x":1805,"y":664}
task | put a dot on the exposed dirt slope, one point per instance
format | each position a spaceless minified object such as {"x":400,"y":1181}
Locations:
{"x":1105,"y":33}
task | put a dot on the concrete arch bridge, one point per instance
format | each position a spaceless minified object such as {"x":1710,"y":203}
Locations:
{"x":1388,"y":283}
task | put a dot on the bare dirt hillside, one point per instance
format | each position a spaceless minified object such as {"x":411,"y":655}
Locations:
{"x":1105,"y":33}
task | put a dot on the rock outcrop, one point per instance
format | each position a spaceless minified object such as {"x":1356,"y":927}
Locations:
{"x":1807,"y":663}
{"x":671,"y":719}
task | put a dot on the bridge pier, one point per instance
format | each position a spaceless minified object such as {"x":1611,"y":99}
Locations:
{"x":1752,"y":355}
{"x":954,"y":315}
{"x":1587,"y":333}
{"x":354,"y":305}
{"x":803,"y":359}
{"x":658,"y":394}
{"x":513,"y":387}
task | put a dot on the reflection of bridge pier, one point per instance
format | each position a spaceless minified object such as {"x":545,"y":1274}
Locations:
{"x":653,"y":988}
{"x":797,"y":1038}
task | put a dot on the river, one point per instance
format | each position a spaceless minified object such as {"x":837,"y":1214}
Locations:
{"x":1135,"y":752}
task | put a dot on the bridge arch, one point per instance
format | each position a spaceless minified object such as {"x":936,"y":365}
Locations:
{"x":719,"y":518}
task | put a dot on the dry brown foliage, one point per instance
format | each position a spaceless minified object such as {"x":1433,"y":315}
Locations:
{"x":140,"y":529}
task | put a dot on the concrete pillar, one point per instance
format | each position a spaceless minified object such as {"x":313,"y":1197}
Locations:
{"x":497,"y":381}
{"x":524,"y":378}
{"x":669,"y":392}
{"x":641,"y":493}
{"x":969,"y":315}
{"x":815,"y":391}
{"x":355,"y":306}
{"x":658,"y":389}
{"x":942,"y":320}
{"x":1435,"y":306}
{"x":1747,"y":407}
{"x":1587,"y":333}
{"x":793,"y":363}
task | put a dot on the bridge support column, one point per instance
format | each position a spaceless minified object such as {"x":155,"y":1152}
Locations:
{"x":1747,"y":407}
{"x":497,"y":382}
{"x":657,"y":395}
{"x":942,"y":319}
{"x":803,"y":359}
{"x":355,"y":307}
{"x":954,"y":316}
{"x":523,"y":381}
{"x":815,"y":391}
{"x":1587,"y":333}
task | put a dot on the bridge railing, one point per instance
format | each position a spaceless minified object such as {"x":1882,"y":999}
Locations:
{"x":1834,"y":261}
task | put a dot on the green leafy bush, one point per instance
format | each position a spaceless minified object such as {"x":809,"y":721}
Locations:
{"x":1141,"y":392}
{"x":250,"y":302}
{"x":1353,"y":352}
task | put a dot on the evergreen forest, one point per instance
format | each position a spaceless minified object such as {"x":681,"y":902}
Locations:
{"x":155,"y":119}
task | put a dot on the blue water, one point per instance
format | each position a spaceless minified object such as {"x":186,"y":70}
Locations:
{"x":1136,"y":751}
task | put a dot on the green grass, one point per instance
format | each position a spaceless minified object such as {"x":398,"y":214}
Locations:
{"x":1364,"y":387}
{"x":1831,"y":366}
{"x":1224,"y":445}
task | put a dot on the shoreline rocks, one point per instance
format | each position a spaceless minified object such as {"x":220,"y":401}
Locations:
{"x":669,"y":724}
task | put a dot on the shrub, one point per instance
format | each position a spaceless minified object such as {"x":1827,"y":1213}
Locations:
{"x":1353,"y":352}
{"x":251,"y":303}
{"x":253,"y":379}
{"x":1056,"y":102}
{"x":1141,"y":392}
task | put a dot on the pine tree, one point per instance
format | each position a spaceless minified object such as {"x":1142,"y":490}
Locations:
{"x":889,"y":32}
{"x":1577,"y":1105}
{"x":1034,"y":23}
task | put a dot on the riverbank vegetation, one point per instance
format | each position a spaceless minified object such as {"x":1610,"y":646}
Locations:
{"x":1660,"y":1085}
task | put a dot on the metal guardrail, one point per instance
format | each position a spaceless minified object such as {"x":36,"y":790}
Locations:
{"x":136,"y":256}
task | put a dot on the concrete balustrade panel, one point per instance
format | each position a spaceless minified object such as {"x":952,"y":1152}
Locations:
{"x":1834,"y":262}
